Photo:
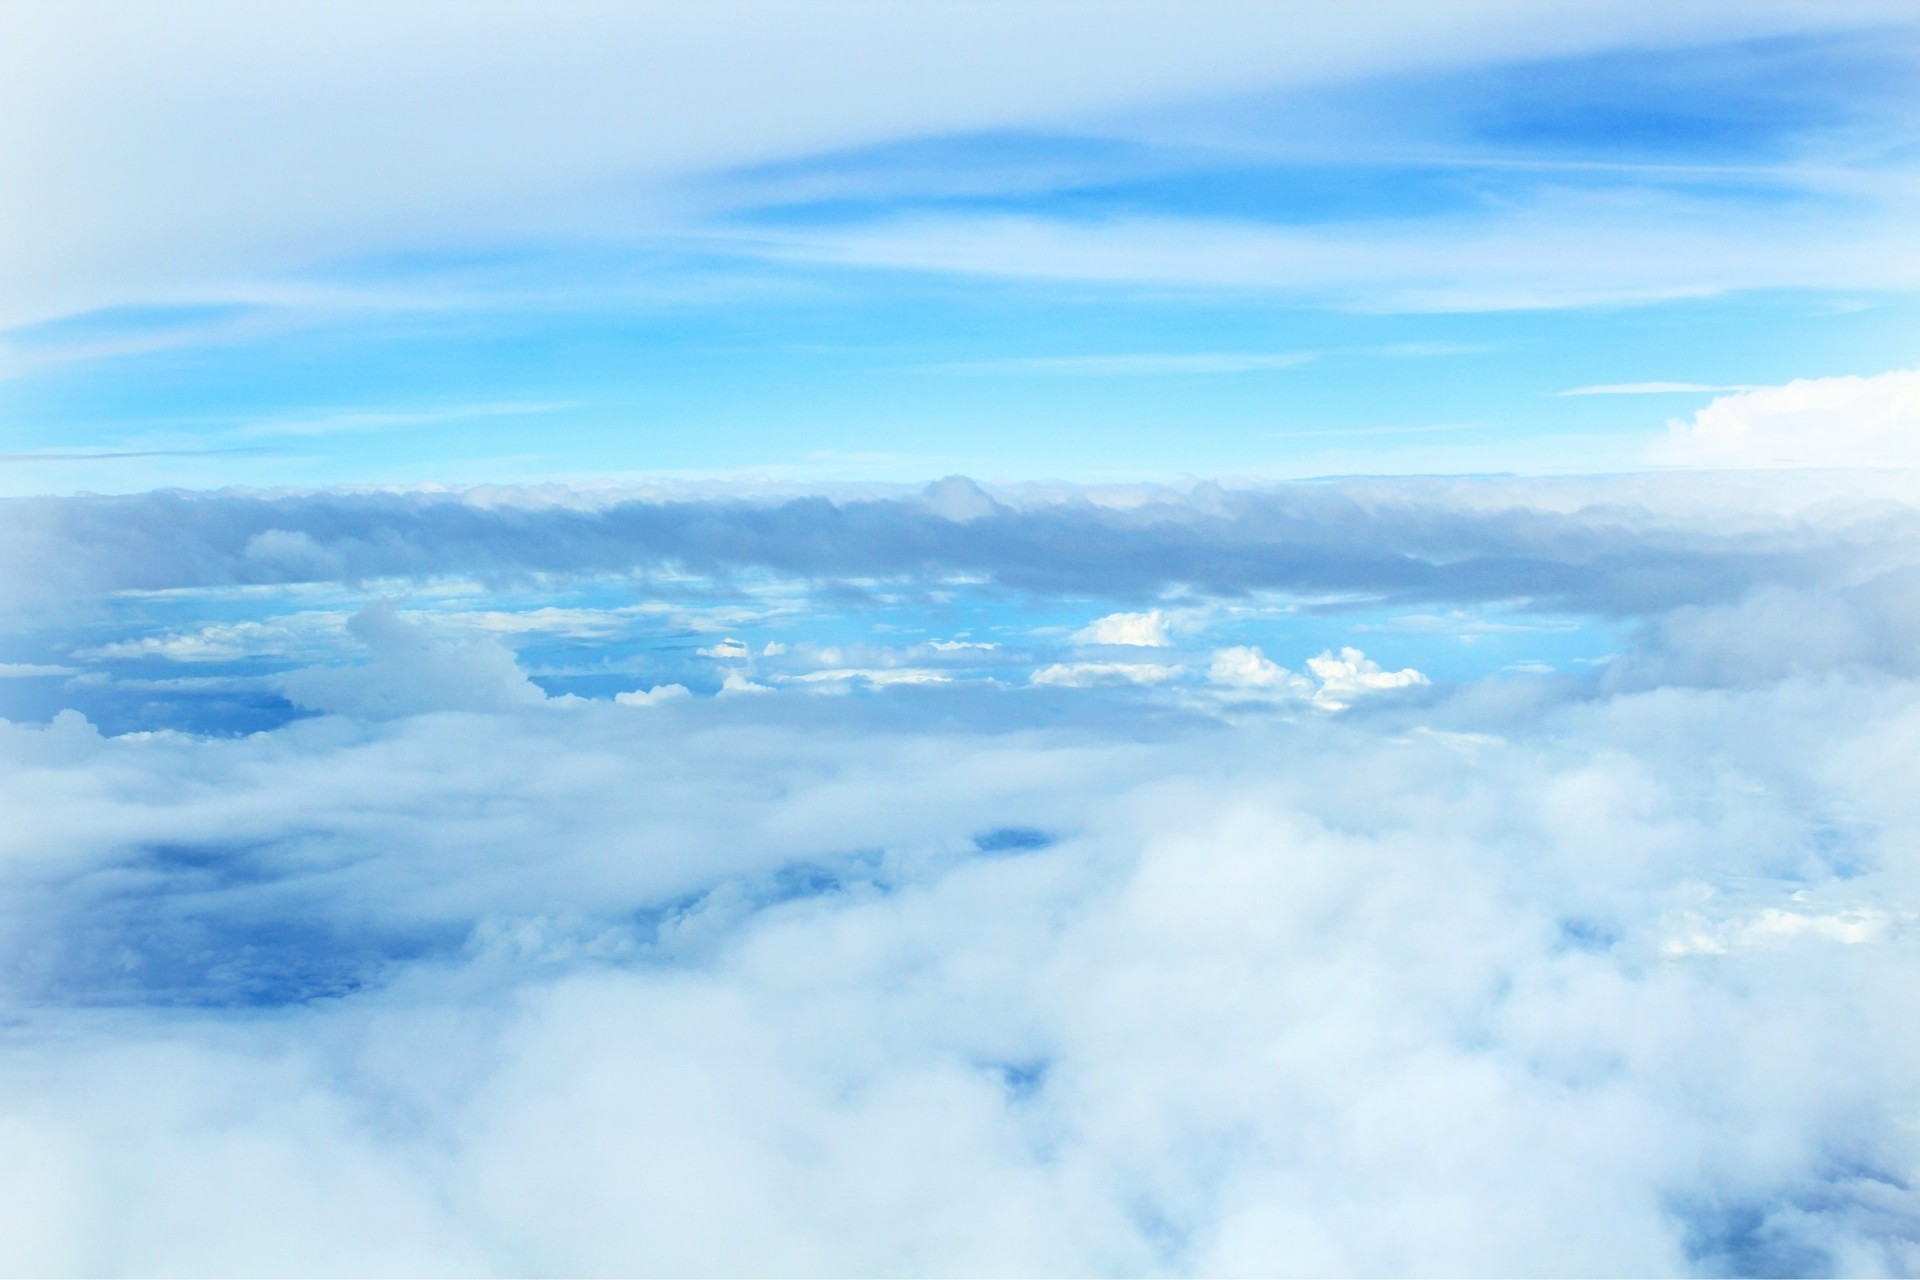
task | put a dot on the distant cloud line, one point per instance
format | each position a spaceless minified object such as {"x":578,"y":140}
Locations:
{"x":1624,"y":550}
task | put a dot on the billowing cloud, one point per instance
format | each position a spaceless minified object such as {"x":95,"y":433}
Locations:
{"x":1016,"y":956}
{"x":1352,"y":674}
{"x":1142,"y":630}
{"x":1494,"y":984}
{"x":1332,"y":683}
{"x":411,"y":668}
{"x":1245,"y":667}
{"x":652,"y":697}
{"x":1611,"y":545}
{"x":1810,"y":422}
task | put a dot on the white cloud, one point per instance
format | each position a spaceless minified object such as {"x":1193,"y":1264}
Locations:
{"x":413,"y":667}
{"x":1650,"y":389}
{"x":574,"y":989}
{"x":1694,"y":934}
{"x":303,"y":635}
{"x":1141,"y":364}
{"x":968,"y":979}
{"x":1810,"y":422}
{"x":1245,"y":667}
{"x":1081,"y":674}
{"x":735,"y":683}
{"x":875,"y":677}
{"x":1619,"y":544}
{"x":212,"y":150}
{"x":652,"y":697}
{"x":727,"y":650}
{"x":1336,"y":681}
{"x":1145,"y":630}
{"x":1642,"y":250}
{"x":1353,"y":674}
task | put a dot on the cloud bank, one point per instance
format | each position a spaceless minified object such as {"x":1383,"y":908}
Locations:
{"x":1615,"y":546}
{"x":1147,"y":950}
{"x":1500,"y":986}
{"x":1810,"y":422}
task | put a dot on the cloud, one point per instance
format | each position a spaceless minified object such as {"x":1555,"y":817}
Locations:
{"x":653,"y":697}
{"x":1333,"y":681}
{"x":1623,"y":545}
{"x":839,"y":678}
{"x":1075,"y":675}
{"x":734,"y":683}
{"x":300,"y":635}
{"x":1645,"y":248}
{"x":1141,"y":364}
{"x":412,"y":668}
{"x":762,"y":984}
{"x":1145,"y":630}
{"x":25,"y":670}
{"x":1352,"y":674}
{"x":1776,"y":633}
{"x":1650,"y":389}
{"x":1101,"y":966}
{"x":308,"y":125}
{"x":1810,"y":422}
{"x":1245,"y":667}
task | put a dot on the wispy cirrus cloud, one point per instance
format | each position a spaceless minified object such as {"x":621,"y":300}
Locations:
{"x":1653,"y":389}
{"x":1137,"y":364}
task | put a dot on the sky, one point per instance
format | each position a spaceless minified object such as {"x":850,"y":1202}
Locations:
{"x":1047,"y":638}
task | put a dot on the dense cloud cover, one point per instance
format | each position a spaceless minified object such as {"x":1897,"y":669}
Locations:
{"x":1270,"y":964}
{"x":1623,"y":545}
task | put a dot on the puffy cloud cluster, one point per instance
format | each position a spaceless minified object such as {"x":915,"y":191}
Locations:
{"x":1165,"y":958}
{"x":1618,"y":545}
{"x":412,"y":669}
{"x":772,"y":984}
{"x":1141,"y":630}
{"x":1333,"y":681}
{"x":1810,"y":422}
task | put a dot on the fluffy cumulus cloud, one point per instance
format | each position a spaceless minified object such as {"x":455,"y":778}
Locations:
{"x":1218,"y":963}
{"x":1142,"y":630}
{"x":1810,"y":422}
{"x":1332,"y":683}
{"x":707,"y":987}
{"x":412,"y":669}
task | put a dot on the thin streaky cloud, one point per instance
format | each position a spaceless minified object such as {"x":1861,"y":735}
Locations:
{"x":382,"y":420}
{"x":1656,"y":389}
{"x":1139,"y":365}
{"x":108,"y":455}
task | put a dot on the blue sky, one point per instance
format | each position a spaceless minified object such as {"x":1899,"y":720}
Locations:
{"x":1398,"y":270}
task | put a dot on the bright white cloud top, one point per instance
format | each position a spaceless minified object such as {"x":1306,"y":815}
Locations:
{"x":1810,"y":422}
{"x":959,"y":639}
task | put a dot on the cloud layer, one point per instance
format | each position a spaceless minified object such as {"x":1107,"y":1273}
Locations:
{"x":735,"y":985}
{"x":1624,"y":546}
{"x":310,"y":122}
{"x":1107,"y":945}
